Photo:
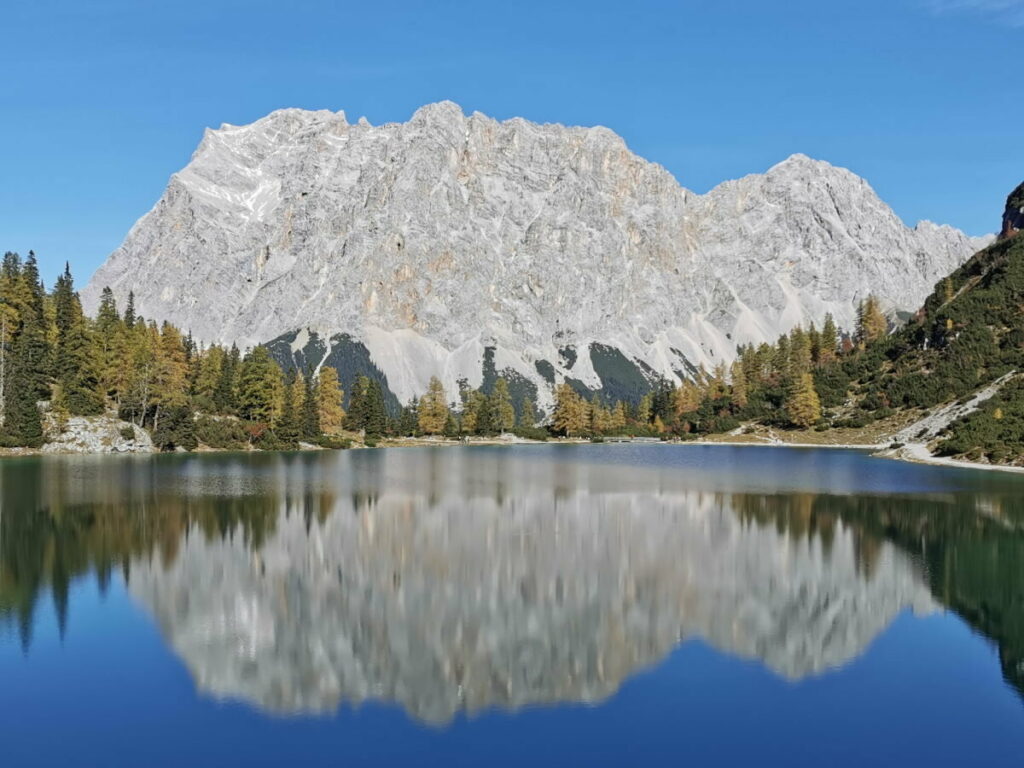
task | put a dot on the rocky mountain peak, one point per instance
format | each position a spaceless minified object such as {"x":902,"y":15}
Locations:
{"x":450,"y":243}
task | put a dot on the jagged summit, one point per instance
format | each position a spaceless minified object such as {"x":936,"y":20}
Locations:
{"x":451,"y":243}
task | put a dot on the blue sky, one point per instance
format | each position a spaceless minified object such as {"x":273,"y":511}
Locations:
{"x":101,"y":100}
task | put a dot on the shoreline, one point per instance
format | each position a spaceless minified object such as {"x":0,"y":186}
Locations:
{"x":913,"y":453}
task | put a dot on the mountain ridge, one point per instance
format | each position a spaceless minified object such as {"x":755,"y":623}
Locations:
{"x":431,"y":241}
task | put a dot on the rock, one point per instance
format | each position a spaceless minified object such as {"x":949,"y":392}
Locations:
{"x":97,"y":434}
{"x":431,"y":242}
{"x":1013,"y":216}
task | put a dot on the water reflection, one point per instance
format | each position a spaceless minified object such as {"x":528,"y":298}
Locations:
{"x":451,"y":581}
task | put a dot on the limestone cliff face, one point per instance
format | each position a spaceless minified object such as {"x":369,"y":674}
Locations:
{"x":432,"y":241}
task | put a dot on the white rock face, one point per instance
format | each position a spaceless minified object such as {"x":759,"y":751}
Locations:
{"x":97,"y":434}
{"x":518,"y":583}
{"x":431,"y":240}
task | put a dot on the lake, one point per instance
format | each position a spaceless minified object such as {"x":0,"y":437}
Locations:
{"x":541,"y":605}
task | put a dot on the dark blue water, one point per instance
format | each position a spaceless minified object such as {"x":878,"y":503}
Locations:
{"x":590,"y":605}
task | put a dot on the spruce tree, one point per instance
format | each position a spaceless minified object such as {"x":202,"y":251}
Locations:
{"x":75,"y":365}
{"x":129,"y":311}
{"x":23,"y":424}
{"x":375,"y":412}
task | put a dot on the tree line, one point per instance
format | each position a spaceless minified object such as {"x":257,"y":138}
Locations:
{"x":149,"y":374}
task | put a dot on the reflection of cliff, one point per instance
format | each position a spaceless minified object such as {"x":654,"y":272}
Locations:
{"x":443,"y":604}
{"x":524,"y":575}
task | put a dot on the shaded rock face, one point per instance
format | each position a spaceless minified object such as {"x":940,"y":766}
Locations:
{"x":1013,"y":216}
{"x":517,"y":584}
{"x":432,"y":241}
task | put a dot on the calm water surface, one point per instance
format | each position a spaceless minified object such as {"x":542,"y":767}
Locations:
{"x":606,"y":605}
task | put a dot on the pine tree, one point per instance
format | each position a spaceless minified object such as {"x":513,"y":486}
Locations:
{"x":500,"y":408}
{"x":329,"y":400}
{"x":433,"y":408}
{"x":803,"y":408}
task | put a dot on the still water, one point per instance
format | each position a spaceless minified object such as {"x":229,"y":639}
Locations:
{"x":604,"y":605}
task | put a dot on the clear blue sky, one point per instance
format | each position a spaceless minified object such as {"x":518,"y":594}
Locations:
{"x":101,"y":100}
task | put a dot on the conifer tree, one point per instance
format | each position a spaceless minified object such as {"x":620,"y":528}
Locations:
{"x":260,"y":388}
{"x":409,"y":419}
{"x":500,"y":408}
{"x":871,"y":322}
{"x":803,"y":408}
{"x":527,"y":414}
{"x":225,"y":396}
{"x":74,"y":366}
{"x":740,"y":392}
{"x":572,"y":413}
{"x":356,"y":417}
{"x":129,"y":311}
{"x":643,"y":410}
{"x":287,"y":428}
{"x":799,"y":352}
{"x":618,"y":416}
{"x":22,"y":422}
{"x":433,"y":408}
{"x":329,"y":400}
{"x":310,"y":413}
{"x":829,"y":342}
{"x":376,"y":414}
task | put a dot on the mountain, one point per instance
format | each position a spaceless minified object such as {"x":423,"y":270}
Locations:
{"x":465,"y":247}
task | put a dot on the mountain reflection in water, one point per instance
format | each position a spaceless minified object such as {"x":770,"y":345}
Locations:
{"x":449,"y":581}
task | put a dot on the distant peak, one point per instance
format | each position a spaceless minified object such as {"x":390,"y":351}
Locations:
{"x":439,"y":110}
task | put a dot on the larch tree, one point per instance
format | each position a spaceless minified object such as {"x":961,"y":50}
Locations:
{"x":433,"y":408}
{"x":502,"y":412}
{"x":329,"y":400}
{"x":803,"y":407}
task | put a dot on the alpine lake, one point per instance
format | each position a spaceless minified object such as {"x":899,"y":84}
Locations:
{"x":538,"y":605}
